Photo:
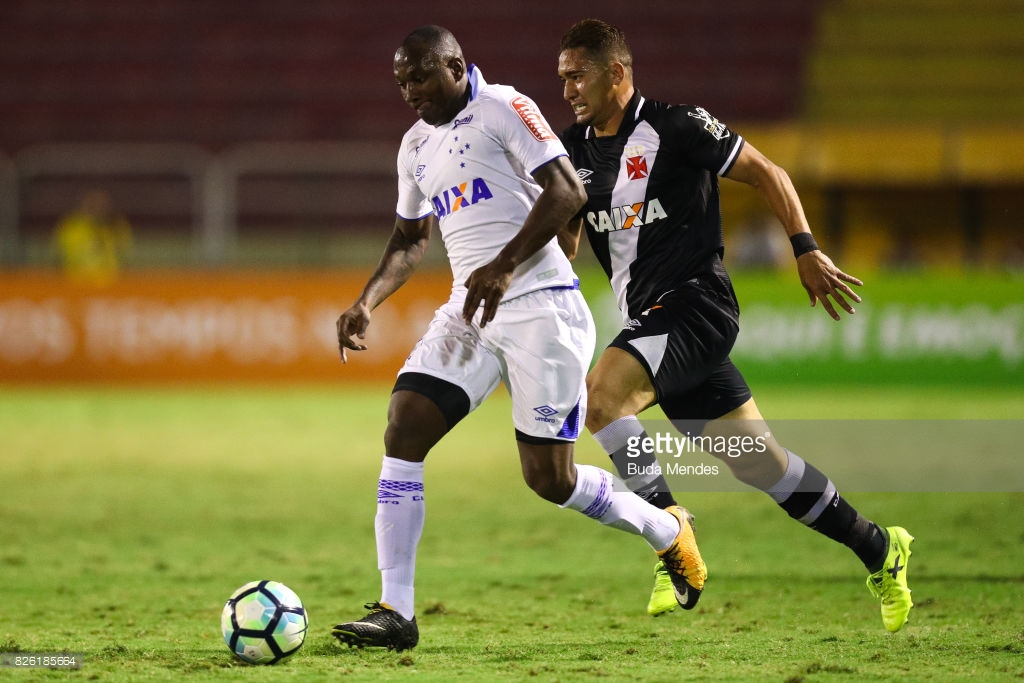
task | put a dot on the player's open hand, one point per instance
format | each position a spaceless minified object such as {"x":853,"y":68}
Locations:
{"x":822,"y":279}
{"x":354,"y":321}
{"x":486,"y":284}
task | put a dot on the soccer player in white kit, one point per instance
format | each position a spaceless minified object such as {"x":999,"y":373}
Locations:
{"x":483,"y":166}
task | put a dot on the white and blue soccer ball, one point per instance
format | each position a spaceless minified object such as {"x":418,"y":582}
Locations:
{"x":263,"y":622}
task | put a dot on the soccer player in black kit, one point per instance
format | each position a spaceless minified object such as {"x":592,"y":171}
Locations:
{"x":653,"y":219}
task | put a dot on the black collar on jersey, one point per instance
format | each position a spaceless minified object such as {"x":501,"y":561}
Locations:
{"x":629,"y":118}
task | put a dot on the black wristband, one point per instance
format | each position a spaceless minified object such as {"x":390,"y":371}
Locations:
{"x":802,"y":242}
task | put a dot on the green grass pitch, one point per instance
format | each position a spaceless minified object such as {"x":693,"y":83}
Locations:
{"x":127,"y":517}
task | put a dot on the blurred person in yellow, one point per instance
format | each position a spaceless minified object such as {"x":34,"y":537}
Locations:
{"x":92,"y":239}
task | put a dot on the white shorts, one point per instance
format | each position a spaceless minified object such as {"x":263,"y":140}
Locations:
{"x":539,"y":344}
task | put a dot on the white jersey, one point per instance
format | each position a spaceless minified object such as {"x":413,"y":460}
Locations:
{"x":474,"y":174}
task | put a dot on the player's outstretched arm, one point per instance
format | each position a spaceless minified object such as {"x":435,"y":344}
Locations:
{"x":561,"y":197}
{"x":403,"y":253}
{"x":820,"y":277}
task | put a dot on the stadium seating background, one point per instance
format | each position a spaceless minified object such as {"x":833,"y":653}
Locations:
{"x":857,"y":98}
{"x":218,"y":73}
{"x":261,"y":135}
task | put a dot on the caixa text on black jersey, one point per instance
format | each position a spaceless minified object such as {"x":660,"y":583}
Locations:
{"x":626,"y":216}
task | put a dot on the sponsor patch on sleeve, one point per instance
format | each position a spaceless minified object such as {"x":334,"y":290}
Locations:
{"x":531,"y":117}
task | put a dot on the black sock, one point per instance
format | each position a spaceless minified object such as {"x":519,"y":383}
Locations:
{"x":638,"y":473}
{"x":810,"y":497}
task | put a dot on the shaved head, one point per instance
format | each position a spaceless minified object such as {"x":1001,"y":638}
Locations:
{"x":434,"y":45}
{"x":432,"y":74}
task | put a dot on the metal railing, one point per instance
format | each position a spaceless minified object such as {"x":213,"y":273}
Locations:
{"x":213,"y":180}
{"x":351,"y":184}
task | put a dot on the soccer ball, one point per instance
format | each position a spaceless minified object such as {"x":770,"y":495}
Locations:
{"x":263,"y":622}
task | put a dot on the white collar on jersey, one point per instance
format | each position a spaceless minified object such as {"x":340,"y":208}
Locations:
{"x":476,"y":81}
{"x":636,"y":117}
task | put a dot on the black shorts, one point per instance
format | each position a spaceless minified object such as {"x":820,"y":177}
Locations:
{"x":683,"y":342}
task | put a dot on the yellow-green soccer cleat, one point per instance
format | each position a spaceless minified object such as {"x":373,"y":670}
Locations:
{"x":663,"y":597}
{"x":683,"y":562}
{"x":890,"y":582}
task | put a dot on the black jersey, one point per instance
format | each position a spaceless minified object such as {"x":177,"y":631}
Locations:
{"x":652,"y":214}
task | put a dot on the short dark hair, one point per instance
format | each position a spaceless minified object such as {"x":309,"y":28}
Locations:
{"x":602,"y":41}
{"x":439,"y":44}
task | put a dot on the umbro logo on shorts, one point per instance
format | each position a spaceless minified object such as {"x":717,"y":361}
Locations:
{"x":545,"y":413}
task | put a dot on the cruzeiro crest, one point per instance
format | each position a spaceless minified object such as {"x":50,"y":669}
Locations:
{"x":711,"y":124}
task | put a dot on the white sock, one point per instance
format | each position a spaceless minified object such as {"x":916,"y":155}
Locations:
{"x":597,"y":496}
{"x":615,"y":436}
{"x":399,"y":525}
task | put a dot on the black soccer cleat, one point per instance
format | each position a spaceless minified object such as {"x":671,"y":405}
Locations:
{"x":382,"y":627}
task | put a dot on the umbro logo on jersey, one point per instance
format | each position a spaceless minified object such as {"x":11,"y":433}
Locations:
{"x":626,"y":217}
{"x":584,"y":174}
{"x":460,"y":196}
